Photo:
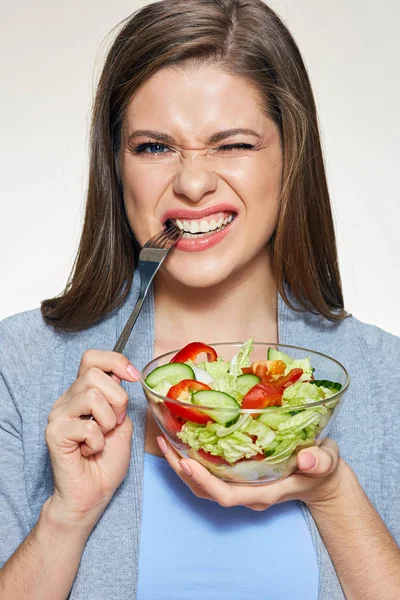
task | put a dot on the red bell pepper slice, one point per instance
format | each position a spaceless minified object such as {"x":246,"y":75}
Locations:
{"x":183,"y":391}
{"x":293,"y":376}
{"x":192,"y":350}
{"x":262,"y":395}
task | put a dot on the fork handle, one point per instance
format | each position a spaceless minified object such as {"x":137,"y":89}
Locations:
{"x":123,"y":338}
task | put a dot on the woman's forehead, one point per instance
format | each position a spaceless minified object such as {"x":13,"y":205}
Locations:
{"x":196,"y":101}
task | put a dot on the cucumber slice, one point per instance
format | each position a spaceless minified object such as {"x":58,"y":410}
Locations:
{"x":172,"y":372}
{"x":273,"y":420}
{"x":276,"y":355}
{"x":332,"y":385}
{"x":215,"y":399}
{"x":245,"y":382}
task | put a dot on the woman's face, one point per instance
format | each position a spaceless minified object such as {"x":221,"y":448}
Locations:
{"x":198,"y":148}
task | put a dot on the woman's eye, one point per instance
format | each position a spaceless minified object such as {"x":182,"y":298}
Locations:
{"x":151,"y":148}
{"x":231,"y":147}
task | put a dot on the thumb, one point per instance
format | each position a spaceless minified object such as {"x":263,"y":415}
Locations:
{"x":319,"y":461}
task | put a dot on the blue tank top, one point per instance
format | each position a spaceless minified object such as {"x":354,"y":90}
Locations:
{"x":194,"y":549}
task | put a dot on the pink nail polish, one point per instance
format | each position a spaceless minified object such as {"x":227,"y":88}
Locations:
{"x":133,"y":372}
{"x":185,"y":467}
{"x":162,"y":445}
{"x":121,"y":418}
{"x":307,"y":461}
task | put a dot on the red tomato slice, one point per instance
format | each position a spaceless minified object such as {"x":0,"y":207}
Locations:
{"x":217,"y":460}
{"x":183,"y":391}
{"x":263,"y":395}
{"x":191,"y":351}
{"x":171,"y":423}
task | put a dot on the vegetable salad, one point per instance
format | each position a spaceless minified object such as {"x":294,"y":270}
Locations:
{"x":217,"y":390}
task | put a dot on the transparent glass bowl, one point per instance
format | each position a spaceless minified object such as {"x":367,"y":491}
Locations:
{"x":263,"y":469}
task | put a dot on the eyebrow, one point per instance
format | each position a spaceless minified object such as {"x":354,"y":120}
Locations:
{"x":216,"y":137}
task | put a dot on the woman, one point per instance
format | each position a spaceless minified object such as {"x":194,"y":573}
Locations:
{"x":204,"y":111}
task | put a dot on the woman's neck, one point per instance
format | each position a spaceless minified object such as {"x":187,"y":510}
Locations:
{"x":243,"y":306}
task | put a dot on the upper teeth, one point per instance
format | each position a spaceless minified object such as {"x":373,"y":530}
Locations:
{"x":202,"y":226}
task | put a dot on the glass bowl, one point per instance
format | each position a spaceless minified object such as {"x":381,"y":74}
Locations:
{"x":314,"y":418}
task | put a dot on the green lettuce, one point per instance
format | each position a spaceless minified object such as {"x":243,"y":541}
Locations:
{"x":293,"y":427}
{"x":264,"y":434}
{"x":217,"y":368}
{"x":301,"y":363}
{"x":293,"y":363}
{"x":284,"y":449}
{"x":227,"y":383}
{"x":162,"y":387}
{"x":231,"y":447}
{"x":301,"y":393}
{"x":223,"y":380}
{"x":242,"y":358}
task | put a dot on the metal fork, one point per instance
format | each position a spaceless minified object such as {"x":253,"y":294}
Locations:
{"x":151,"y":258}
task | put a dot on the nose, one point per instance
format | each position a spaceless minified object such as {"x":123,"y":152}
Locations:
{"x":194,"y":182}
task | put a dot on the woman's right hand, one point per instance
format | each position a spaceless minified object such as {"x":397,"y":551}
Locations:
{"x":90,"y":458}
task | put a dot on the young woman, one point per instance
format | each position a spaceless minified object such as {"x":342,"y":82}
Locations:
{"x":204,"y":113}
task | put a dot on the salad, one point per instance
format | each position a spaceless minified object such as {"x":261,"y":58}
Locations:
{"x":211,"y":422}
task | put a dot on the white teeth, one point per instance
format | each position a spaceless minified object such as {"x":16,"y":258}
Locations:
{"x":199,"y":228}
{"x":194,"y":227}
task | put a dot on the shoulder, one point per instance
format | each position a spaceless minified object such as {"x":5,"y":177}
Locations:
{"x":25,"y":339}
{"x":377,"y":344}
{"x":352,"y":334}
{"x":374,"y":337}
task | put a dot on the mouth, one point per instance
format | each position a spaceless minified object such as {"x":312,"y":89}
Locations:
{"x":204,"y":227}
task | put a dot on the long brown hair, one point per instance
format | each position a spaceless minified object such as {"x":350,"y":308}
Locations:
{"x":247,"y":39}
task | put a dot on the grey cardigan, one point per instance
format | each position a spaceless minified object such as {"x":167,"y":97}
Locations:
{"x":37,"y":365}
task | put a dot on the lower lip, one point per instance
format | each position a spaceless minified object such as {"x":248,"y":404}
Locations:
{"x":204,"y":242}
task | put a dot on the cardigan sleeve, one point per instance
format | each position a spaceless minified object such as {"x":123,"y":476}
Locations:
{"x":14,"y":509}
{"x":384,"y":352}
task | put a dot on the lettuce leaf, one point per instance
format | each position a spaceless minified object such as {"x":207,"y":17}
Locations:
{"x":216,"y":368}
{"x":162,"y":387}
{"x":231,"y":447}
{"x":242,"y":358}
{"x":265,"y":435}
{"x":301,"y":393}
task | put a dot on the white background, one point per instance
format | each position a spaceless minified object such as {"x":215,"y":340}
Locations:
{"x":50,"y":55}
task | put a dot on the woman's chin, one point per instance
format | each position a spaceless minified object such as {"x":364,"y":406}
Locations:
{"x":192,"y":276}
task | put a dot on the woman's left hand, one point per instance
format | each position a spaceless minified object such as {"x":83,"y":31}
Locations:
{"x":318,"y":479}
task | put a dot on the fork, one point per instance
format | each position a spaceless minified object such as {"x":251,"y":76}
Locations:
{"x":151,"y":258}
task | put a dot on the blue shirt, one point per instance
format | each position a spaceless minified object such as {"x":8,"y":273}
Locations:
{"x":191,"y":548}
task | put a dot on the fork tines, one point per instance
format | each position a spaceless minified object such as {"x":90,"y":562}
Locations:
{"x":164,"y":238}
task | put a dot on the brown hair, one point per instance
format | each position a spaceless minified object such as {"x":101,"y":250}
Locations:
{"x":246,"y":38}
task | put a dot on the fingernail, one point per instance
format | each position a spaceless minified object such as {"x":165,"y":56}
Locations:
{"x":185,"y":467}
{"x":307,"y":461}
{"x":133,"y":372}
{"x":121,"y":418}
{"x":162,"y":445}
